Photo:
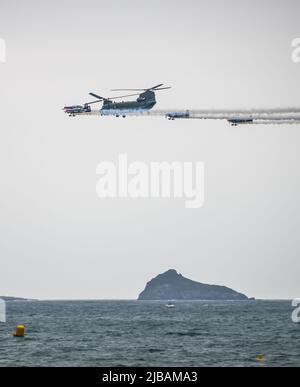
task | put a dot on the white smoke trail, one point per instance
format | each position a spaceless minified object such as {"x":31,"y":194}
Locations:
{"x":264,"y":116}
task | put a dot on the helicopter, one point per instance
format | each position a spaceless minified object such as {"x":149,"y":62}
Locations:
{"x":145,"y":101}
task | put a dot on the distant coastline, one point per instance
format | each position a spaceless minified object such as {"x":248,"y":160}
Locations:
{"x":9,"y":298}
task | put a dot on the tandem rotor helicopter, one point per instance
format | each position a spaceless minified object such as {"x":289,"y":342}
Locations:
{"x":145,"y":101}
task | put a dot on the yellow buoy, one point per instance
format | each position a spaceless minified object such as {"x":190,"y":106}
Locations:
{"x":20,"y":331}
{"x":259,"y":358}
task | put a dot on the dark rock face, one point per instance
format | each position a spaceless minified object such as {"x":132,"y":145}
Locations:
{"x":173,"y":286}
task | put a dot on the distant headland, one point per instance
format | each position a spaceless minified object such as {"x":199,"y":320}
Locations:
{"x":6,"y":298}
{"x":173,"y":286}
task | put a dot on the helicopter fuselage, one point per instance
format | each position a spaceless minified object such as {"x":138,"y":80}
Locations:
{"x":145,"y":101}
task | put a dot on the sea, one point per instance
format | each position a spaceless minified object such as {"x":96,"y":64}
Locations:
{"x":148,"y":333}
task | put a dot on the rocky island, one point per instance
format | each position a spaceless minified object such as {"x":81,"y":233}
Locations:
{"x":173,"y":286}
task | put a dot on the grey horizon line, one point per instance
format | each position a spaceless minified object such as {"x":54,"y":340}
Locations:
{"x":136,"y":299}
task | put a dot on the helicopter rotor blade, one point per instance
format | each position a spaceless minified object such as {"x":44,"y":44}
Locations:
{"x":123,"y":96}
{"x":127,"y":89}
{"x":163,"y":88}
{"x":154,"y":88}
{"x":150,"y":88}
{"x":111,"y":98}
{"x":98,"y":96}
{"x":90,"y":103}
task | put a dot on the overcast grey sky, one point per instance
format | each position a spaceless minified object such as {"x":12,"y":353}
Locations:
{"x":57,"y":238}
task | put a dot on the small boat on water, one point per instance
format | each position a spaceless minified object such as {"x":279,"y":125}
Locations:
{"x":169,"y":305}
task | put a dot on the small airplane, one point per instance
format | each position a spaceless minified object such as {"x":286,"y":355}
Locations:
{"x":145,"y":101}
{"x":77,"y":109}
{"x":236,"y":121}
{"x":173,"y":115}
